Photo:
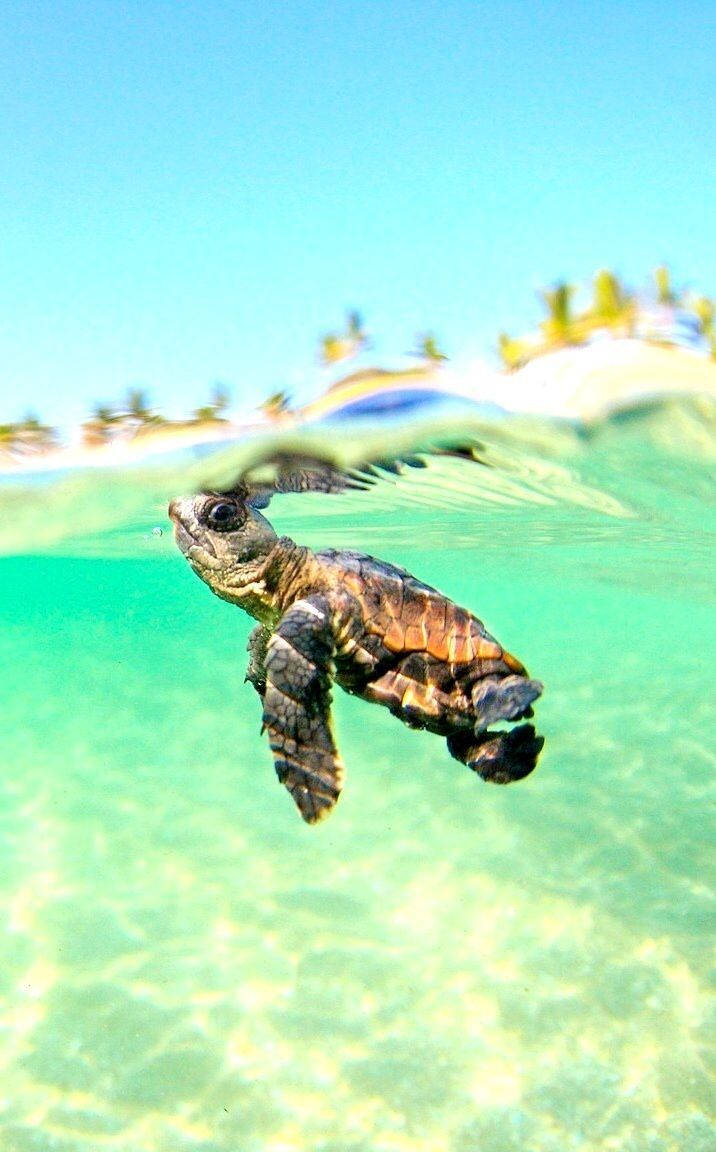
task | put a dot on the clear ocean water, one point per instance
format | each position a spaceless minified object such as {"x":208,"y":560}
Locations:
{"x":442,"y":966}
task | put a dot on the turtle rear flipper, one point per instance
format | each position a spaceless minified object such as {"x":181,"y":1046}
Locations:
{"x":500,"y":757}
{"x":297,"y":704}
{"x":504,"y":698}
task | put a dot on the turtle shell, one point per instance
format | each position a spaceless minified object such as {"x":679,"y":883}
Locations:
{"x":410,"y":616}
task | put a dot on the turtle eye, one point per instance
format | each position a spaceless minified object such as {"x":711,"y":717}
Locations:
{"x":224,"y":515}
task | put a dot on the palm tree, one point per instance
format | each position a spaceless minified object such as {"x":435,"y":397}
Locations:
{"x":355,"y":328}
{"x":332,"y":348}
{"x":703,"y":308}
{"x":514,"y":353}
{"x":337,"y":346}
{"x":138,"y":412}
{"x":137,"y":405}
{"x":427,"y":349}
{"x":96,"y":430}
{"x":276,"y":404}
{"x":212,"y":411}
{"x":30,"y":434}
{"x":559,"y":327}
{"x":705,"y":311}
{"x":664,"y":292}
{"x":220,"y":399}
{"x":104,"y":413}
{"x":613,"y":306}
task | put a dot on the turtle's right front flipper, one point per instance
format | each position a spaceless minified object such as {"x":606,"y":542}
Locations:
{"x":297,"y":707}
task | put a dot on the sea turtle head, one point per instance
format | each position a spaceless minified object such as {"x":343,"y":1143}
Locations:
{"x":224,"y":539}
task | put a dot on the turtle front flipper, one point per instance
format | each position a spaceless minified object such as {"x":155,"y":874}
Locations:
{"x":256,"y":648}
{"x":297,"y":703}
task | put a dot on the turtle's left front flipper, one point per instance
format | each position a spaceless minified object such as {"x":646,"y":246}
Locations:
{"x":297,"y":707}
{"x":256,"y":648}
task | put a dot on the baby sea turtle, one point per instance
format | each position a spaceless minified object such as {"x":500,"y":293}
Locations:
{"x":370,"y":626}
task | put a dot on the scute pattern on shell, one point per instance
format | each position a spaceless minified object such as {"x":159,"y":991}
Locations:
{"x":410,"y":616}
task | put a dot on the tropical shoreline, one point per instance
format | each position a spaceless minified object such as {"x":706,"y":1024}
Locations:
{"x":578,"y":384}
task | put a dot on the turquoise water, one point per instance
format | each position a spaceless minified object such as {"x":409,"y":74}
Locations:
{"x":442,"y":965}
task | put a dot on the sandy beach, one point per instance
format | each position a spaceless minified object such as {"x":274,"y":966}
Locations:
{"x":589,"y":383}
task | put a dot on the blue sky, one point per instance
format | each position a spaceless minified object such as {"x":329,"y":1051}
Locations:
{"x":192,"y":192}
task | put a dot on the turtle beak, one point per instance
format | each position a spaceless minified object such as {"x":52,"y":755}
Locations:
{"x":182,"y":512}
{"x":190,"y":537}
{"x":179,"y":515}
{"x":174,"y":510}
